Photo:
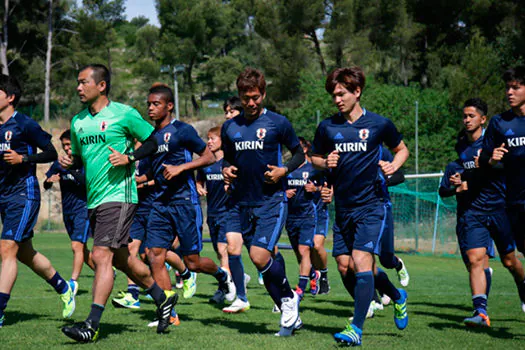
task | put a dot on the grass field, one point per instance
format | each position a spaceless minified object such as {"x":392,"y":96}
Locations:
{"x":439,"y":299}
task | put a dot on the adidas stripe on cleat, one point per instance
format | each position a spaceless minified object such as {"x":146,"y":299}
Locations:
{"x":164,"y":310}
{"x":350,"y":336}
{"x":126,"y":300}
{"x":68,"y":298}
{"x":400,"y":311}
{"x":82,"y":332}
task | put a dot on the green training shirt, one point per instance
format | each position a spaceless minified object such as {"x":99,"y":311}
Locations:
{"x":114,"y":126}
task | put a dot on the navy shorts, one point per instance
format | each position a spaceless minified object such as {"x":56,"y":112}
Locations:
{"x":301,"y":230}
{"x":259,"y":225}
{"x":323,"y":220}
{"x":516,"y":215}
{"x":482,"y":230}
{"x":19,"y":218}
{"x":181,"y":219}
{"x":140,"y":225}
{"x":77,"y":226}
{"x":217,"y":226}
{"x":387,"y":240}
{"x":360,"y":228}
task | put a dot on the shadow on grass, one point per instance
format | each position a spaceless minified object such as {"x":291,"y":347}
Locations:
{"x":106,"y":329}
{"x":461,"y":307}
{"x":13,"y":317}
{"x":342,"y":311}
{"x":495,"y":332}
{"x":248,"y":327}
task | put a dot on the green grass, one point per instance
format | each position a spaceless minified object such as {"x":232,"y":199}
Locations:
{"x":439,"y":299}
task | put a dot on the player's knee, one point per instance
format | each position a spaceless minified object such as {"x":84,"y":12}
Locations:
{"x":100,"y":256}
{"x":342,"y":268}
{"x":509,"y":261}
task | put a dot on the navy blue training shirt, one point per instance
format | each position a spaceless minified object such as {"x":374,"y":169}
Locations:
{"x":486,"y":187}
{"x":251,"y":145}
{"x":304,"y":203}
{"x":146,"y":194}
{"x":23,"y":135}
{"x":463,"y":202}
{"x":359,"y":145}
{"x":177,"y":142}
{"x":509,"y":128}
{"x":217,"y":196}
{"x":74,"y":198}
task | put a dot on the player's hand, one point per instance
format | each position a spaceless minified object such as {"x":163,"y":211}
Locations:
{"x":227,"y":189}
{"x":116,"y":158}
{"x":386,"y":167}
{"x":201,"y":190}
{"x":65,"y":161}
{"x":13,"y":158}
{"x":455,"y":179}
{"x":274,"y":174}
{"x":53,"y":178}
{"x":229,"y":173}
{"x":497,"y":154}
{"x":171,"y":171}
{"x":462,"y":187}
{"x":290,"y":193}
{"x":310,"y":187}
{"x":327,"y":193}
{"x":332,"y":159}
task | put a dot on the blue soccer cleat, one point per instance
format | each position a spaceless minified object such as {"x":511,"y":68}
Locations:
{"x":400,"y":310}
{"x":350,"y":336}
{"x":2,"y":320}
{"x":477,"y":320}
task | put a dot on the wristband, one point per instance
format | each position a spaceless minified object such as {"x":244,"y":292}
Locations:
{"x":131,"y":158}
{"x":25,"y":158}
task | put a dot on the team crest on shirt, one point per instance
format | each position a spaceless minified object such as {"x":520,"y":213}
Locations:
{"x":8,"y":135}
{"x":363,"y":134}
{"x":103,"y":125}
{"x":261,"y":133}
{"x":167,"y":137}
{"x":305,"y":175}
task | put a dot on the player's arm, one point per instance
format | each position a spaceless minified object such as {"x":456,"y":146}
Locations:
{"x":396,"y":178}
{"x":48,"y":154}
{"x":79,"y":176}
{"x":451,"y":183}
{"x":52,"y":176}
{"x":201,"y":183}
{"x":228,"y":169}
{"x":401,"y":154}
{"x":494,"y":148}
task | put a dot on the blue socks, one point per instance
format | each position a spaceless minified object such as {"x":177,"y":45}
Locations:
{"x":488,"y":275}
{"x":95,"y":314}
{"x":133,"y":289}
{"x":303,"y":281}
{"x":237,"y":271}
{"x":58,"y":283}
{"x":280,"y":259}
{"x":4,"y":298}
{"x":220,"y":275}
{"x":384,"y":286}
{"x":276,"y":282}
{"x":364,"y":292}
{"x":479,"y":301}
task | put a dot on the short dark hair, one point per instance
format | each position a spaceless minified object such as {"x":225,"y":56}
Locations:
{"x":10,"y":86}
{"x":516,"y":74}
{"x":351,"y":78}
{"x":304,"y":142}
{"x":66,"y":135}
{"x":234,"y":102}
{"x":477,"y":103}
{"x":100,"y":73}
{"x":250,"y":79}
{"x":215,"y":130}
{"x":164,"y":90}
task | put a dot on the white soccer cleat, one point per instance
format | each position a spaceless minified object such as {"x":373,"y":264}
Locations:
{"x":289,"y":310}
{"x":385,"y":299}
{"x":523,"y":307}
{"x":247,"y":279}
{"x":402,"y":274}
{"x":228,"y":287}
{"x":237,"y":306}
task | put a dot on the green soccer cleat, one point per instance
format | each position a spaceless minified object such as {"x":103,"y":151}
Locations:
{"x":400,"y":311}
{"x":82,"y":332}
{"x":68,"y":298}
{"x":350,"y":336}
{"x":402,"y":274}
{"x":2,"y":320}
{"x":190,"y":286}
{"x":126,"y":300}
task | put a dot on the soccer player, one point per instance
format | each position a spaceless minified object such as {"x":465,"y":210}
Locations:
{"x":20,"y":136}
{"x":102,"y":139}
{"x":349,"y":143}
{"x":301,"y":223}
{"x":176,"y":209}
{"x":252,"y":166}
{"x":232,"y":107}
{"x":74,"y":210}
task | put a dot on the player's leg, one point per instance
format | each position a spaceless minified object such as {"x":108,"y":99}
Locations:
{"x":305,"y":243}
{"x":320,"y":263}
{"x":293,"y":229}
{"x":477,"y":260}
{"x":130,"y":298}
{"x":235,"y":243}
{"x":8,"y":273}
{"x":77,"y":226}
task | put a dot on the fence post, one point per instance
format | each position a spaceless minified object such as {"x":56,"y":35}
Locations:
{"x":48,"y":211}
{"x":436,"y":218}
{"x":417,"y":173}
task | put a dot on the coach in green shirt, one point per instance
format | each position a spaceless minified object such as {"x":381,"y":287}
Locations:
{"x":102,"y":140}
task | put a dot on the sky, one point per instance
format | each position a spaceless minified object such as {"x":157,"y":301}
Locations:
{"x":135,"y":8}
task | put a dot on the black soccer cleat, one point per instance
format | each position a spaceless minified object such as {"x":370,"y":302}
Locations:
{"x":164,"y":310}
{"x":82,"y":332}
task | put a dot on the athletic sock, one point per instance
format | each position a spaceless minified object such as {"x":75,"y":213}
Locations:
{"x":186,"y":274}
{"x":479,"y":301}
{"x":237,"y":271}
{"x":95,"y":314}
{"x":521,"y":290}
{"x":488,"y":276}
{"x":133,"y":289}
{"x":280,"y":259}
{"x":303,"y":281}
{"x":58,"y":283}
{"x":384,"y":286}
{"x":349,"y":282}
{"x":397,"y":265}
{"x":312,"y":272}
{"x":324,"y":273}
{"x":4,"y":298}
{"x":276,"y":282}
{"x":364,"y":292}
{"x":156,"y":293}
{"x":376,"y":296}
{"x":220,"y":275}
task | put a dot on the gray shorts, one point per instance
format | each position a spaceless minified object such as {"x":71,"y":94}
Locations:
{"x":110,"y":223}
